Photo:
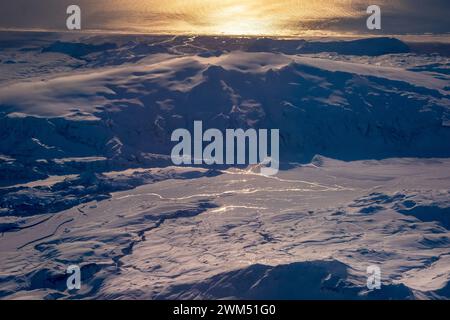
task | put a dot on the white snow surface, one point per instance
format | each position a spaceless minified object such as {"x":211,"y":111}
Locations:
{"x":310,"y":232}
{"x":85,"y":177}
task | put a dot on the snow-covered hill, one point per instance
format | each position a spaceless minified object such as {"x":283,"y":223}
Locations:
{"x":85,"y":176}
{"x":339,"y":109}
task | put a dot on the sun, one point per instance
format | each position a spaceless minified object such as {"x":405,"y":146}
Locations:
{"x":243,"y":27}
{"x":239,"y":20}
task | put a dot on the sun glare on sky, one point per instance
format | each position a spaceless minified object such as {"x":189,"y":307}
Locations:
{"x":230,"y":17}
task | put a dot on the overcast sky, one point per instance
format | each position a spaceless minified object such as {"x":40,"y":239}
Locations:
{"x":212,"y":16}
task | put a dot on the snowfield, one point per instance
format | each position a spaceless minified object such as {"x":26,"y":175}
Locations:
{"x":86,"y":177}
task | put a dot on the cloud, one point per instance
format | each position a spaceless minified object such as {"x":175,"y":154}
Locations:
{"x":203,"y":16}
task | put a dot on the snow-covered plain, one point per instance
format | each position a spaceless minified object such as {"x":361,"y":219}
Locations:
{"x":85,"y":177}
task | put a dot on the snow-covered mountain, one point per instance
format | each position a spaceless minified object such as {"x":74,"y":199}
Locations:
{"x":86,"y":177}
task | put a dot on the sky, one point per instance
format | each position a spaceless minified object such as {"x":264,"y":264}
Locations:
{"x":252,"y":17}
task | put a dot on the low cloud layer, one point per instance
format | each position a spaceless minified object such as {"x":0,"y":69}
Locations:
{"x":230,"y":16}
